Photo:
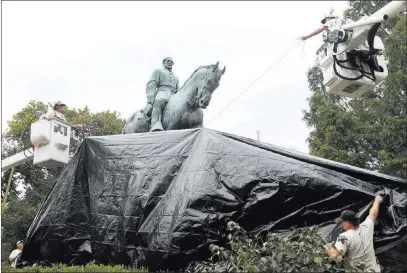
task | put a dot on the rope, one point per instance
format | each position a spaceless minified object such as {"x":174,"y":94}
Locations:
{"x":255,"y":81}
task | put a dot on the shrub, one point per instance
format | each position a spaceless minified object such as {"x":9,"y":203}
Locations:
{"x":302,"y":251}
{"x":65,"y":268}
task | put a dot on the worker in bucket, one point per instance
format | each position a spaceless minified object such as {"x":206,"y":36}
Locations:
{"x":328,"y":20}
{"x":56,"y":112}
{"x":356,"y":243}
{"x":331,"y":21}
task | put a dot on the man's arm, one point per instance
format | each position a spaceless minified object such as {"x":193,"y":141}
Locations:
{"x":334,"y":253}
{"x":13,"y":255}
{"x":318,"y":31}
{"x":340,"y":248}
{"x":49,"y":115}
{"x":374,"y":210}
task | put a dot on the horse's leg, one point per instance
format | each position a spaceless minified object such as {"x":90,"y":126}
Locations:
{"x":195,"y":119}
{"x":171,"y":114}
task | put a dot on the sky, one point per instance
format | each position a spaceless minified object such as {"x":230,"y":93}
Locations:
{"x":101,"y":54}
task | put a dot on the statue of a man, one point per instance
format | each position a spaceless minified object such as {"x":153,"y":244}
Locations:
{"x":162,"y":84}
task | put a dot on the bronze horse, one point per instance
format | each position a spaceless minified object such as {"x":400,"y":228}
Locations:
{"x":184,"y":108}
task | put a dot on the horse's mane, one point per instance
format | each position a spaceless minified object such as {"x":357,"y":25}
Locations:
{"x":196,"y":70}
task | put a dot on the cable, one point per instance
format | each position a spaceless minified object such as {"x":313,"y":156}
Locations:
{"x":261,"y":76}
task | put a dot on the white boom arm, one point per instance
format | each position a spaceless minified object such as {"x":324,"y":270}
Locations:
{"x":370,"y":21}
{"x":362,"y":27}
{"x":17,"y":159}
{"x":390,"y":10}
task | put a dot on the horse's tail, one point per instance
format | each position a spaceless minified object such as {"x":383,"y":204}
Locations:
{"x":129,"y":120}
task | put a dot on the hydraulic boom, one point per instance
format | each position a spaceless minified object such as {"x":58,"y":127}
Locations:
{"x":352,"y":59}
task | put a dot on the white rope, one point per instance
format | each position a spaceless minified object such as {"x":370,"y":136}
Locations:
{"x":256,"y":80}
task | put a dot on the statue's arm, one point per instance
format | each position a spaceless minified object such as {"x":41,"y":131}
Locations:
{"x":152,"y":86}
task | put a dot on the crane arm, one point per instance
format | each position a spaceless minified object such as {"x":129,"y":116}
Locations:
{"x":17,"y":159}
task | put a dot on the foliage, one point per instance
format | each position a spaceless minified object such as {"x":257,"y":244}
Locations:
{"x":31,"y":184}
{"x":64,"y":268}
{"x":15,"y":223}
{"x":22,"y":118}
{"x":98,"y":124}
{"x":335,"y":128}
{"x":302,"y":251}
{"x":370,"y":132}
{"x":358,"y":9}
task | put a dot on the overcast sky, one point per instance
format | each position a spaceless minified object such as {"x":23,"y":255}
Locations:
{"x":101,"y":54}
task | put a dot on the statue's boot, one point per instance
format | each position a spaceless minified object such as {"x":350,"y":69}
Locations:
{"x":157,"y":127}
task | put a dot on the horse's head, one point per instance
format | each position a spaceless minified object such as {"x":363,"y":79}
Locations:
{"x":207,"y":80}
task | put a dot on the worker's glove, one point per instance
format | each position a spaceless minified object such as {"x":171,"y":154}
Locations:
{"x":378,"y":199}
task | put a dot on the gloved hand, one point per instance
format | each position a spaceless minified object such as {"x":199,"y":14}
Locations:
{"x":378,"y":199}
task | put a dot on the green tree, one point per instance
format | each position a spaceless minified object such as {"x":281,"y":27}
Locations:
{"x":369,"y":133}
{"x":35,"y":181}
{"x":334,"y":125}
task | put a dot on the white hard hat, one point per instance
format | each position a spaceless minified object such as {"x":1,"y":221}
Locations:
{"x":59,"y":103}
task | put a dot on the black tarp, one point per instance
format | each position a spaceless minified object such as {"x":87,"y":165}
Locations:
{"x":158,"y":199}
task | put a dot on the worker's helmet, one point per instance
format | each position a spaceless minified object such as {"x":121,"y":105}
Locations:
{"x":168,"y":58}
{"x":329,"y":15}
{"x":59,"y":103}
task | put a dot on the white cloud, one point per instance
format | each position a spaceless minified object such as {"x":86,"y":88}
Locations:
{"x":101,"y":54}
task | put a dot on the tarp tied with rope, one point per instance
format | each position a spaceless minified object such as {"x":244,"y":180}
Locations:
{"x":158,"y":199}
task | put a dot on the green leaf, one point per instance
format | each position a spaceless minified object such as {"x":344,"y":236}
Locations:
{"x":280,"y":256}
{"x":318,"y":260}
